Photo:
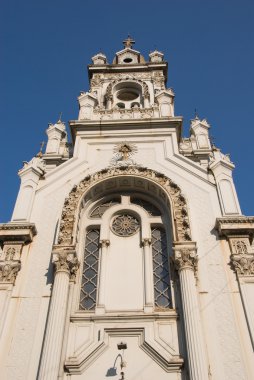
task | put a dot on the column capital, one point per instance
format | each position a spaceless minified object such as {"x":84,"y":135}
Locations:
{"x":66,"y":261}
{"x":146,"y":242}
{"x":185,"y":256}
{"x":242,"y":257}
{"x":104,"y":243}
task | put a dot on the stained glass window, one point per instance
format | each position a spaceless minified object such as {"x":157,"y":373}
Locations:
{"x":90,"y":271}
{"x":162,"y":295}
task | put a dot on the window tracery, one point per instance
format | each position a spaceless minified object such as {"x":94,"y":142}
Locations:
{"x":99,"y":210}
{"x":125,"y":225}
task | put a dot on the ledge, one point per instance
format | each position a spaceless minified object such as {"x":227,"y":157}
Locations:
{"x":235,"y":225}
{"x":23,"y":232}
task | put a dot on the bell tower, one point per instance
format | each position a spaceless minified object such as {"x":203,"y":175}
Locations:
{"x":127,"y":255}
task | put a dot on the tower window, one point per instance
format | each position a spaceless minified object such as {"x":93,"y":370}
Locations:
{"x":90,"y":271}
{"x":135,"y":105}
{"x":127,"y":60}
{"x":162,"y":296}
{"x":127,"y":95}
{"x":120,"y":105}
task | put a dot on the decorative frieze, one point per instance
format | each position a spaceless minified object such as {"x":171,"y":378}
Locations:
{"x":121,"y":113}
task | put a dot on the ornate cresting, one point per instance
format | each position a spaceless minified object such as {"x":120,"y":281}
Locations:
{"x":72,"y":203}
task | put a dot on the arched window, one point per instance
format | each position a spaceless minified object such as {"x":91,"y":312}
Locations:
{"x":124,"y":274}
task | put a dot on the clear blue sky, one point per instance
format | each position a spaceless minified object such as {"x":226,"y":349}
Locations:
{"x":46,"y":46}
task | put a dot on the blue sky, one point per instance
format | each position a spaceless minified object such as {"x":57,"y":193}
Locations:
{"x":46,"y":46}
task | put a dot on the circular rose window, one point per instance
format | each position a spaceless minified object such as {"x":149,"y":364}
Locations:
{"x":125,"y":225}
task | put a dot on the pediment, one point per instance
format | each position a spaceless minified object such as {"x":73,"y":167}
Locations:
{"x":128,"y":56}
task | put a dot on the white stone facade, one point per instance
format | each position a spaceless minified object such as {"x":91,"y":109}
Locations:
{"x":131,"y":235}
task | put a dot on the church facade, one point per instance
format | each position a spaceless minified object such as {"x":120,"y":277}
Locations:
{"x":127,"y":256}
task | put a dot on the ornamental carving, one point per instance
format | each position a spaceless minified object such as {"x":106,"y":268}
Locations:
{"x":242,"y":256}
{"x":109,"y":95}
{"x":125,"y":225}
{"x":66,"y":261}
{"x":146,"y":91}
{"x":133,"y":76}
{"x":123,"y":153}
{"x":243,"y":265}
{"x":240,"y":247}
{"x":9,"y":271}
{"x":186,"y":258}
{"x":10,"y":261}
{"x":73,"y":202}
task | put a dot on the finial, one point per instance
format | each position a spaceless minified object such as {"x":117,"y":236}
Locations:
{"x":41,"y":147}
{"x":196,"y":114}
{"x":128,"y":42}
{"x":212,"y":140}
{"x":60,"y":118}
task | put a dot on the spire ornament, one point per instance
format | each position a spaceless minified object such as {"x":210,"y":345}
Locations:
{"x":128,"y":42}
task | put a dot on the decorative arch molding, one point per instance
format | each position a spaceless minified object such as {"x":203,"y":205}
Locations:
{"x":74,"y":202}
{"x":128,"y":79}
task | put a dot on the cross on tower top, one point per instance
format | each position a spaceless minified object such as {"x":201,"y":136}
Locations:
{"x":128,"y":42}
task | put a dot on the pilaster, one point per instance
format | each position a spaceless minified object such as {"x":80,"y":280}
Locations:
{"x":185,"y":260}
{"x":66,"y":265}
{"x":100,"y":308}
{"x":239,"y":233}
{"x":13,"y":236}
{"x":148,"y":285}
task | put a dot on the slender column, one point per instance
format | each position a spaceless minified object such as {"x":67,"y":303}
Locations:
{"x":148,"y":276}
{"x":185,"y":258}
{"x":102,"y":277}
{"x":66,"y":265}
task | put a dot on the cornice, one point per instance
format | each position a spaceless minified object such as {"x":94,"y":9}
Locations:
{"x":135,"y":67}
{"x":12,"y":231}
{"x":114,"y":125}
{"x":235,"y":225}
